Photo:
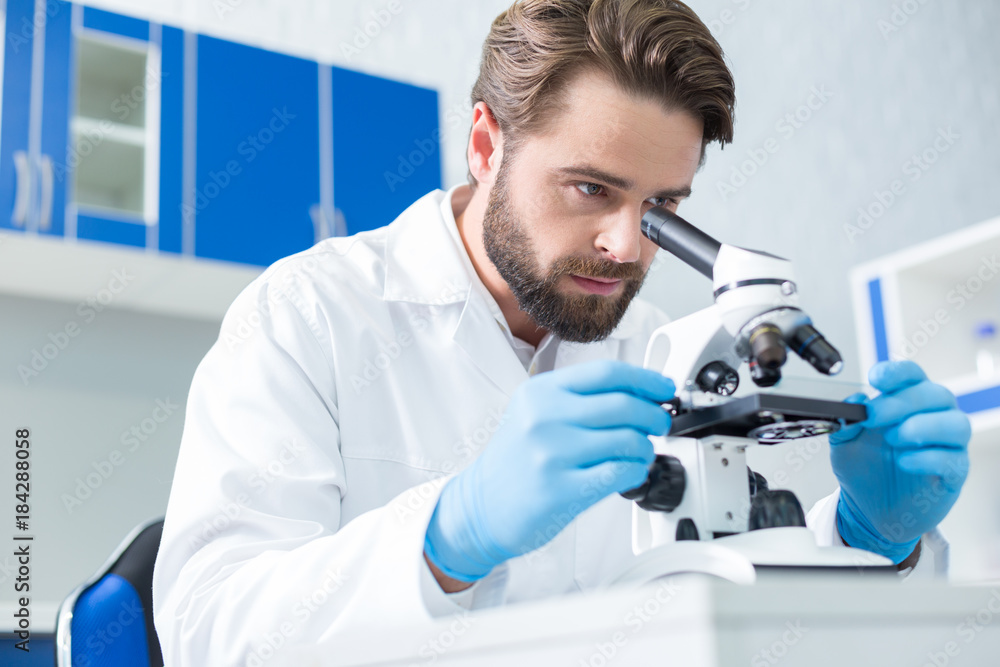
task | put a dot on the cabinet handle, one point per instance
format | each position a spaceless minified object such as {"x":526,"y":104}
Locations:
{"x":23,"y":195}
{"x":45,"y":216}
{"x":339,"y":223}
{"x":327,"y":223}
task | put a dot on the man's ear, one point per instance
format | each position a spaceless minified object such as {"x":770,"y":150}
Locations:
{"x":485,"y":145}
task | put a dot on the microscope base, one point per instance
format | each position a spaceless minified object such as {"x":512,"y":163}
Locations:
{"x":741,"y":558}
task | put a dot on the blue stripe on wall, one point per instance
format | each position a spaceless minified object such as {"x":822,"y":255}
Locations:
{"x":878,"y":320}
{"x":977,"y":401}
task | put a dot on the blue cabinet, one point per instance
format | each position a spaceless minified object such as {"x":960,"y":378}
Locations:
{"x":119,"y":130}
{"x":386,"y":147}
{"x":88,"y":144}
{"x":26,"y":172}
{"x":54,"y":112}
{"x":123,"y":150}
{"x":258,"y":153}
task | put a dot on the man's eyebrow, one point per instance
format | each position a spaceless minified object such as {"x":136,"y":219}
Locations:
{"x":585,"y":171}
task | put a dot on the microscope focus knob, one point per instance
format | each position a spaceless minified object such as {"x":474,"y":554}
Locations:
{"x":718,"y":377}
{"x":663,"y":489}
{"x":775,"y":509}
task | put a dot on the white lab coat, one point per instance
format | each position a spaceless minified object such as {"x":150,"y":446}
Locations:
{"x":348,"y":382}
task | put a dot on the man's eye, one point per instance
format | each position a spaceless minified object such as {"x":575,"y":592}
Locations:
{"x":591,"y":189}
{"x":660,"y":201}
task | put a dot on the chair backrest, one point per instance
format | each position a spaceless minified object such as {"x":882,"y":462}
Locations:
{"x":108,"y":620}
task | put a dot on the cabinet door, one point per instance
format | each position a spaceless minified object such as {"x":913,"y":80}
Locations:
{"x":386,"y":147}
{"x":172,"y":88}
{"x":53,"y":174}
{"x":21,"y":135}
{"x":109,"y":124}
{"x":257,"y":173}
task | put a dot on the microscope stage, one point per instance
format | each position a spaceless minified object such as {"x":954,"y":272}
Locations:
{"x":740,"y":416}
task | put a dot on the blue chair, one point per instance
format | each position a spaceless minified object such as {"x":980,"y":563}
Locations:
{"x":108,"y":621}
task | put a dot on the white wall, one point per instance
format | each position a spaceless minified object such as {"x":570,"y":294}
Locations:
{"x":891,"y":90}
{"x":890,"y":96}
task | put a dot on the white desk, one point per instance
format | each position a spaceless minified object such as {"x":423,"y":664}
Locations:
{"x":701,"y":623}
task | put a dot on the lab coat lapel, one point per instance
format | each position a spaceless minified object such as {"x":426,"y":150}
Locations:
{"x":479,"y":336}
{"x":425,"y":267}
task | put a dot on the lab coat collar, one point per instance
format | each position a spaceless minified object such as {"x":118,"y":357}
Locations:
{"x":424,"y":264}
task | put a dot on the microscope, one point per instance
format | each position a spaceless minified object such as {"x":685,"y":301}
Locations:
{"x":702,"y":509}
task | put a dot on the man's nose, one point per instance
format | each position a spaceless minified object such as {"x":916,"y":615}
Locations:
{"x":620,"y":238}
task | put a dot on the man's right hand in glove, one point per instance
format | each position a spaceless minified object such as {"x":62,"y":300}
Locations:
{"x":569,"y":438}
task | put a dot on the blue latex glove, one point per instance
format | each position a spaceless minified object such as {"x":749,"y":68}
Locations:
{"x":901,"y":470}
{"x":569,"y":438}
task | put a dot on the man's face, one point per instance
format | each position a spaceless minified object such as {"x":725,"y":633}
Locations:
{"x":563,"y":216}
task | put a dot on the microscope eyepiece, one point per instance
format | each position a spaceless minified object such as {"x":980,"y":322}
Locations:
{"x":811,"y":346}
{"x":680,"y":238}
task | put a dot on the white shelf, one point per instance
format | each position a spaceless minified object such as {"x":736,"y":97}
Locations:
{"x":56,"y":269}
{"x":933,"y":296}
{"x":109,"y":130}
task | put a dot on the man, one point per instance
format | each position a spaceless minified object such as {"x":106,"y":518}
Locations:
{"x":440,"y":414}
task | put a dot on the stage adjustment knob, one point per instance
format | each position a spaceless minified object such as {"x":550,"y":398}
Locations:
{"x":663,"y":489}
{"x":775,"y":509}
{"x":686,"y":530}
{"x":756,"y":481}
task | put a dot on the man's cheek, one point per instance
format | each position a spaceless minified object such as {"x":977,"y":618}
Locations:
{"x":648,"y":254}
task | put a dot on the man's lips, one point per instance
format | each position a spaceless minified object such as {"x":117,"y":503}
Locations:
{"x":603,"y":286}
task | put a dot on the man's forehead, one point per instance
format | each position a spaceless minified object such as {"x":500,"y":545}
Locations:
{"x":599,"y":125}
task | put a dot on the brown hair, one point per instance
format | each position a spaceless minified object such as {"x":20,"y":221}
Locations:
{"x":655,"y":49}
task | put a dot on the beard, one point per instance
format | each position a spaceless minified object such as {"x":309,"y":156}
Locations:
{"x":580,"y":318}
